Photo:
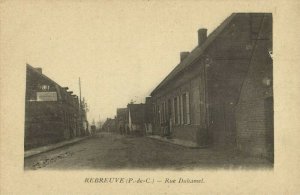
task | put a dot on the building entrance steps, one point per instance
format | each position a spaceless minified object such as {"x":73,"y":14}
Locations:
{"x":39,"y":150}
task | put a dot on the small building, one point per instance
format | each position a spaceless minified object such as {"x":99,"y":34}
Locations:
{"x":51,"y":112}
{"x":109,"y":125}
{"x":148,"y":118}
{"x":136,"y":118}
{"x":220,"y":94}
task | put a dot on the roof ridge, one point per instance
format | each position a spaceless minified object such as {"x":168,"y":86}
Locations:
{"x":198,"y":49}
{"x":46,"y":77}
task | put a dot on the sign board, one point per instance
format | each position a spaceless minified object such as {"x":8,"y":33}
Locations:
{"x":46,"y":96}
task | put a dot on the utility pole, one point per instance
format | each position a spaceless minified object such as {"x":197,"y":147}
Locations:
{"x":80,"y":90}
{"x":99,"y":122}
{"x":80,"y":107}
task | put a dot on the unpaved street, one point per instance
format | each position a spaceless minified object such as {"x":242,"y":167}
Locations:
{"x":111,"y":151}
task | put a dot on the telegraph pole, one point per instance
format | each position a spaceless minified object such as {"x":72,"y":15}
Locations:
{"x":99,"y":122}
{"x":80,"y":107}
{"x":80,"y":90}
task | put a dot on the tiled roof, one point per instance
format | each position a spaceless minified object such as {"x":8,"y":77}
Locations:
{"x":195,"y":54}
{"x":42,"y":75}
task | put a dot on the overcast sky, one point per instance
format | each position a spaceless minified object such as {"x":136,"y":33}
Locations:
{"x":121,"y":51}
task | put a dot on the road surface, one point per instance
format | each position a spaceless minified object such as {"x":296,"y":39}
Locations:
{"x":112,"y":151}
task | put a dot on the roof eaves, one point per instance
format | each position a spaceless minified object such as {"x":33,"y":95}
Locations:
{"x":41,"y":74}
{"x":195,"y":54}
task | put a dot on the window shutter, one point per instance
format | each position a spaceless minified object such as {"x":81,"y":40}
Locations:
{"x":173,"y":110}
{"x":178,"y":110}
{"x":181,"y":110}
{"x":188,"y":120}
{"x":159,"y":113}
{"x":164,"y":112}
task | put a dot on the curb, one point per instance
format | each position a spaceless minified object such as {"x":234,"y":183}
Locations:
{"x":176,"y":143}
{"x":28,"y":154}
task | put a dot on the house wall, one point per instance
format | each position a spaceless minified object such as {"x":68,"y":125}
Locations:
{"x":214,"y":82}
{"x":43,"y":124}
{"x":191,"y":81}
{"x":218,"y":114}
{"x":254,"y":113}
{"x":223,"y":86}
{"x":48,"y":122}
{"x":137,"y":118}
{"x":231,"y":55}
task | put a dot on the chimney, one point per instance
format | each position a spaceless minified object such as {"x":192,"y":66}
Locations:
{"x":183,"y":55}
{"x":202,"y":35}
{"x":39,"y":70}
{"x":148,"y":100}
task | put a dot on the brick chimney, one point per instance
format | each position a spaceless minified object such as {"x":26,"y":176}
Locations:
{"x":202,"y":35}
{"x":183,"y":55}
{"x":39,"y":70}
{"x":148,"y":100}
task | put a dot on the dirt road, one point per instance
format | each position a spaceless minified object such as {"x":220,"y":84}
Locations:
{"x":112,"y":151}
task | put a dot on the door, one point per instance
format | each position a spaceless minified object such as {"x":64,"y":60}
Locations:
{"x":269,"y":124}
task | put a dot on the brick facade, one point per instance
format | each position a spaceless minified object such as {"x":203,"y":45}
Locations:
{"x":223,"y":77}
{"x":48,"y":121}
{"x":255,"y":130}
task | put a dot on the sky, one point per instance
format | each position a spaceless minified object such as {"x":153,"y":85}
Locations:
{"x":120,"y":50}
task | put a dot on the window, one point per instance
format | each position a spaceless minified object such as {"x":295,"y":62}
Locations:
{"x":159,"y":114}
{"x":169,"y":109}
{"x":164,"y":112}
{"x":173,"y":111}
{"x":155,"y":113}
{"x":176,"y":110}
{"x":44,"y":87}
{"x":181,"y":110}
{"x":186,"y":108}
{"x":188,"y":117}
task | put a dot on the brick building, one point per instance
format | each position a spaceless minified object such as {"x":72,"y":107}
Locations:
{"x":51,"y":112}
{"x":221,"y":94}
{"x":136,"y":118}
{"x":110,"y":125}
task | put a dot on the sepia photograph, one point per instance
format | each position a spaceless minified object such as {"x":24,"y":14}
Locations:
{"x":213,"y":109}
{"x":149,"y":97}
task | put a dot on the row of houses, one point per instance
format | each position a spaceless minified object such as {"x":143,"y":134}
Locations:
{"x":135,"y":119}
{"x":52,"y":113}
{"x":219,"y":95}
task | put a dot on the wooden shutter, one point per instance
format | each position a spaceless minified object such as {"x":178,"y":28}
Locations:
{"x":181,"y":110}
{"x":188,"y":119}
{"x":178,"y":110}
